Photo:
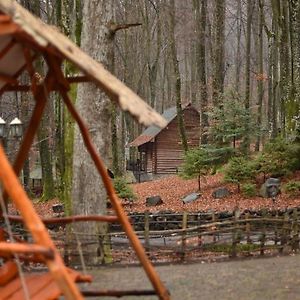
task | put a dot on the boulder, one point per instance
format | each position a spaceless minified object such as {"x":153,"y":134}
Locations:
{"x":58,"y":208}
{"x":221,"y":193}
{"x":191,"y":198}
{"x":271,"y":188}
{"x":153,"y":201}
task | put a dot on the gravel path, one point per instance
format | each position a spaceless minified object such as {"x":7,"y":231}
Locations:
{"x":261,"y":278}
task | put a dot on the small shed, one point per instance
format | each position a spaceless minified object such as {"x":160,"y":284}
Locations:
{"x":160,"y":149}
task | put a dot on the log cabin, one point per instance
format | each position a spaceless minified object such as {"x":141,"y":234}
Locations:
{"x":160,"y":150}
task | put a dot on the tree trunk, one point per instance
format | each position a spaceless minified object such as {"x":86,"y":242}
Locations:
{"x":260,"y":68}
{"x":44,"y":134}
{"x":180,"y":118}
{"x":275,"y":68}
{"x":218,"y":50}
{"x":200,"y":8}
{"x":238,"y":50}
{"x":89,"y":195}
{"x":250,"y":5}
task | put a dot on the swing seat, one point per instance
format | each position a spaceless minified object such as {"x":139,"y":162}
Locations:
{"x":39,"y":286}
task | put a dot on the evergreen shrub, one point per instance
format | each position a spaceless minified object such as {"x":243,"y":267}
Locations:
{"x":240,"y":169}
{"x":248,"y":190}
{"x":279,"y":158}
{"x":123,"y":189}
{"x":292,"y":188}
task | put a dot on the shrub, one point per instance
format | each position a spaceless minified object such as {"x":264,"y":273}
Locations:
{"x":292,"y":188}
{"x":240,"y":169}
{"x":123,"y":189}
{"x":248,"y":189}
{"x":197,"y":162}
{"x":279,"y":158}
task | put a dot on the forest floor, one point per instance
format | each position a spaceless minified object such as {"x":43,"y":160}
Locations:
{"x":172,"y":189}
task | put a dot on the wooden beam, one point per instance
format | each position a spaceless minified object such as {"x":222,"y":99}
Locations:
{"x":55,"y":65}
{"x":8,"y":79}
{"x":26,"y":88}
{"x":7,"y":48}
{"x":78,"y":79}
{"x":118,"y":294}
{"x":67,"y":220}
{"x":18,"y":73}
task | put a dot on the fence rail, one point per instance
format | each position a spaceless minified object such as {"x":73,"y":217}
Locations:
{"x":185,"y":236}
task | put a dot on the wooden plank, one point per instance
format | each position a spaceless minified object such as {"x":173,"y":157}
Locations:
{"x":14,"y":287}
{"x":8,"y":271}
{"x":35,"y":284}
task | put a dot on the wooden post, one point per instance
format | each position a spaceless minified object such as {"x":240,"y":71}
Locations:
{"x":199,"y":234}
{"x":234,"y":234}
{"x":295,"y":239}
{"x":183,"y":241}
{"x":276,"y":230}
{"x":284,"y":232}
{"x":263,"y":236}
{"x":248,"y":228}
{"x":146,"y":232}
{"x":213,"y":218}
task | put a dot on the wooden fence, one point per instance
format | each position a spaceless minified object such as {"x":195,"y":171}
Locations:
{"x":193,"y":236}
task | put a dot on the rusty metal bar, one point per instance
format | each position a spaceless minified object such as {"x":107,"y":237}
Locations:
{"x":17,"y":248}
{"x":26,"y":87}
{"x":149,"y":269}
{"x":118,"y":294}
{"x":7,"y":48}
{"x":37,"y":228}
{"x":67,"y":220}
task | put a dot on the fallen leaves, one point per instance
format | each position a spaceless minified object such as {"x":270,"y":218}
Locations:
{"x":172,"y":189}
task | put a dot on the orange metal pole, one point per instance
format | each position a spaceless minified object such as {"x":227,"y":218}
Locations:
{"x":17,"y":248}
{"x":136,"y":244}
{"x":37,"y":228}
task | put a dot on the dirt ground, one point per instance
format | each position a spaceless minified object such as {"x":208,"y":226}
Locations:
{"x":276,"y":278}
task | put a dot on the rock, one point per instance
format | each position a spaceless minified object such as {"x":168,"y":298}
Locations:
{"x":191,"y":198}
{"x":58,"y":208}
{"x":153,"y":201}
{"x":221,"y":193}
{"x":271,"y":188}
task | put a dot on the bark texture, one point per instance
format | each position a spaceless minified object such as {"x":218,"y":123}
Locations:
{"x":89,"y":196}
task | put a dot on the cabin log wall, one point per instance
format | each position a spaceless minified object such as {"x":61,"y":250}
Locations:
{"x":168,"y":152}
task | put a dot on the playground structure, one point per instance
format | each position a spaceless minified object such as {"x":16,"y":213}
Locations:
{"x":23,"y":40}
